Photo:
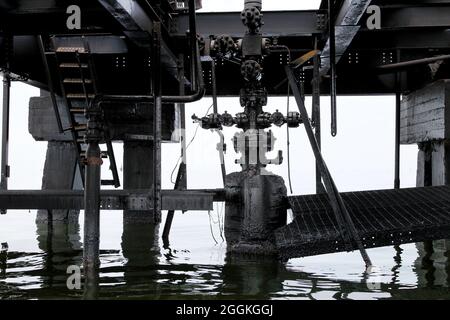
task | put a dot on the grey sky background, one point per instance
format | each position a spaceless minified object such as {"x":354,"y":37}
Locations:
{"x":361,"y":157}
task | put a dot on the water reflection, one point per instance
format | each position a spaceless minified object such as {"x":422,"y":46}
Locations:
{"x":251,"y":277}
{"x":432,"y":266}
{"x":138,"y":268}
{"x":61,"y":244}
{"x":140,"y":248}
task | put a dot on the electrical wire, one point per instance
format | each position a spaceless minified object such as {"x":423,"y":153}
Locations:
{"x":210,"y":228}
{"x":220,"y":219}
{"x":189,"y":144}
{"x":288,"y":141}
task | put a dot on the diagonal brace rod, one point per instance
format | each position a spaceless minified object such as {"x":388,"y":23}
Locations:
{"x":343,"y":217}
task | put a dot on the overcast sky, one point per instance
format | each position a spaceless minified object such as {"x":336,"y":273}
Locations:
{"x":237,"y":5}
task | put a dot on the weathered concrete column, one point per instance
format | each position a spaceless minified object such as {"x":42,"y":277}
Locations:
{"x":59,"y":174}
{"x":137,"y":174}
{"x":60,"y":171}
{"x":426,"y":121}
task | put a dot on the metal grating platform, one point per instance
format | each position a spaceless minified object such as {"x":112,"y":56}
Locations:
{"x":382,"y":218}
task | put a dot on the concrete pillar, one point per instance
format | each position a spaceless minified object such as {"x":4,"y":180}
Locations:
{"x":433,"y":163}
{"x":137,"y":174}
{"x":426,"y":121}
{"x":59,"y":174}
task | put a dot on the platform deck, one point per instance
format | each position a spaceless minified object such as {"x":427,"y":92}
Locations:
{"x":382,"y":218}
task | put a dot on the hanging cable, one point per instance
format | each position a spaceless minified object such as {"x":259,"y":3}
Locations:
{"x":189,"y":144}
{"x":219,"y":217}
{"x":210,"y":227}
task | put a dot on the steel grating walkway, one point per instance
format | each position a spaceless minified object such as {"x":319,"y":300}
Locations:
{"x":382,"y":218}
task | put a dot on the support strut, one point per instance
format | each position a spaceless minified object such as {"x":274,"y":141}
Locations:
{"x":345,"y":222}
{"x":157,"y":109}
{"x":5,"y":134}
{"x":332,"y":68}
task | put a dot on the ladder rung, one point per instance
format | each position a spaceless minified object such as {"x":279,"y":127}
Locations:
{"x":73,"y":65}
{"x":77,"y":80}
{"x":70,"y":50}
{"x":108,"y":183}
{"x":139,"y":137}
{"x":80,"y":127}
{"x":77,"y":110}
{"x":104,"y":154}
{"x":80,"y":96}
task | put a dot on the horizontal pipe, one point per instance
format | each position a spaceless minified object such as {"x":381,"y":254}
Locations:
{"x":412,"y":63}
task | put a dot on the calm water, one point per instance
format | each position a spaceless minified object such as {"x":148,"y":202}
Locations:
{"x":134,"y":265}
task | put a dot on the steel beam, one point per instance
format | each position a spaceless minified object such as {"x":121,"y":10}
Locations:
{"x":138,"y":27}
{"x":400,"y":17}
{"x":276,"y":23}
{"x":346,"y":28}
{"x":137,"y":200}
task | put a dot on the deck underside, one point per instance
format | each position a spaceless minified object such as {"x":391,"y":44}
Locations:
{"x":382,"y":218}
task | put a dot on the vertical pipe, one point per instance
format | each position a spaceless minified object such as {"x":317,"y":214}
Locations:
{"x":5,"y":134}
{"x":333,"y":92}
{"x":214,"y":86}
{"x":181,"y":182}
{"x":193,"y":42}
{"x":181,"y":77}
{"x":157,"y":106}
{"x":91,"y":249}
{"x":397,"y":125}
{"x":5,"y":131}
{"x":397,"y":139}
{"x":316,"y":116}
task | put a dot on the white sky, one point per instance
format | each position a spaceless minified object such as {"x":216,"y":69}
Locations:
{"x":361,"y":157}
{"x":268,"y":5}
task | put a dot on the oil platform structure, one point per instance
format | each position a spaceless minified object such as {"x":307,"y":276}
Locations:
{"x":127,"y":70}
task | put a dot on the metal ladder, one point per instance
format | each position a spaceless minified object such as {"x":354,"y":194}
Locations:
{"x":78,"y":86}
